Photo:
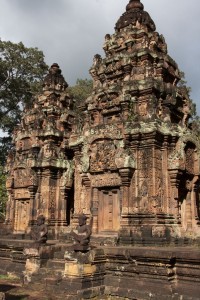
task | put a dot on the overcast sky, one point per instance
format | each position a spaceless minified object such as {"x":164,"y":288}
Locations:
{"x":71,"y":32}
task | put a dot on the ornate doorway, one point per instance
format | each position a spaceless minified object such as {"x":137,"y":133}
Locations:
{"x":109,"y":210}
{"x":21,"y":216}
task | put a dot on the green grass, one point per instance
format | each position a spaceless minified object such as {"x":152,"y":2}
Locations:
{"x":8,"y":277}
{"x":4,"y":277}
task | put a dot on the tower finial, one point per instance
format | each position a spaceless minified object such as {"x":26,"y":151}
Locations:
{"x":134,"y":4}
{"x":135,"y":12}
{"x":54,"y":79}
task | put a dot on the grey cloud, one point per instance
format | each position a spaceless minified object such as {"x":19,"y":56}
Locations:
{"x":70,"y":32}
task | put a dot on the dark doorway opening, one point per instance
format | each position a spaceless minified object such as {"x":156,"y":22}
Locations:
{"x":70,"y":205}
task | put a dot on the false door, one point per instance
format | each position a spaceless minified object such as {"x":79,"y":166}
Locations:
{"x":109,"y":210}
{"x":21,"y":216}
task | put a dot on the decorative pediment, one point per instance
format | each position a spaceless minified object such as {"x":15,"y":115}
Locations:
{"x":24,"y":177}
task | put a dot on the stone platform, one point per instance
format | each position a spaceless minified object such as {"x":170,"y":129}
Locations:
{"x":153,"y":273}
{"x":109,"y":271}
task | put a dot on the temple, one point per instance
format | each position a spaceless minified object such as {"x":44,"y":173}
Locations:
{"x":129,"y":162}
{"x":132,"y":162}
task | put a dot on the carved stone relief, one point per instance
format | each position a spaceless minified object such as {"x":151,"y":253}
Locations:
{"x":106,"y":180}
{"x":102,"y":156}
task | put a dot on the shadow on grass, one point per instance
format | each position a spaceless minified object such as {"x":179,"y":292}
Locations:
{"x":13,"y":297}
{"x":5,"y":288}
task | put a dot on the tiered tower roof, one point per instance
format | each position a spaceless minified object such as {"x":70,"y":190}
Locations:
{"x":135,"y":13}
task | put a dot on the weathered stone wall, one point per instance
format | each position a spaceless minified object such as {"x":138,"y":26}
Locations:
{"x":112,"y":272}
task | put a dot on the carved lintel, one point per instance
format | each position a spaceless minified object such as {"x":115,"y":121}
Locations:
{"x":32,"y":189}
{"x":86,"y":180}
{"x":22,"y":193}
{"x":106,"y":180}
{"x":127,"y":69}
{"x":9,"y":182}
{"x":77,"y":148}
{"x":175,"y":176}
{"x":126,"y":175}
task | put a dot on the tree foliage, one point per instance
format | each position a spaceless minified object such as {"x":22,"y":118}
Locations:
{"x":21,"y":71}
{"x":81,"y":90}
{"x":195,"y":119}
{"x":183,"y":85}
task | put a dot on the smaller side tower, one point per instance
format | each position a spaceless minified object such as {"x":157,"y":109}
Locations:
{"x":41,"y":167}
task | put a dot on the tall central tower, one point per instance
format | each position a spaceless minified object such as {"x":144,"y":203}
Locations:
{"x":137,"y":160}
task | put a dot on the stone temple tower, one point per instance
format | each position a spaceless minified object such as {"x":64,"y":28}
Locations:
{"x":41,"y":168}
{"x":131,"y":165}
{"x":136,"y":157}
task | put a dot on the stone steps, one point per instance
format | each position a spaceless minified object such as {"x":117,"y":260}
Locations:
{"x":59,"y":254}
{"x":56,"y":264}
{"x":104,"y":240}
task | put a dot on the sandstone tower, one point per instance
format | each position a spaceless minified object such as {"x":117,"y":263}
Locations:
{"x":132,"y":165}
{"x":41,"y":167}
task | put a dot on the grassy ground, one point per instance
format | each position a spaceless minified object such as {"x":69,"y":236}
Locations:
{"x":14,"y":290}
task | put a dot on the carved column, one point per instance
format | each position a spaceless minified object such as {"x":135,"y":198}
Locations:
{"x":57,"y":197}
{"x":154,"y":167}
{"x":188,"y":208}
{"x":194,"y":204}
{"x":10,"y":203}
{"x":126,"y":175}
{"x":45,"y":195}
{"x":32,"y":191}
{"x":78,"y":190}
{"x":10,"y":208}
{"x":86,"y":182}
{"x":166,"y":183}
{"x":37,"y":200}
{"x":62,"y":207}
{"x":16,"y":215}
{"x":77,"y":181}
{"x":175,"y":180}
{"x":95,"y":210}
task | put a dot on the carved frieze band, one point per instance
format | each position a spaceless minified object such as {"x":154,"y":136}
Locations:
{"x":105,"y":180}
